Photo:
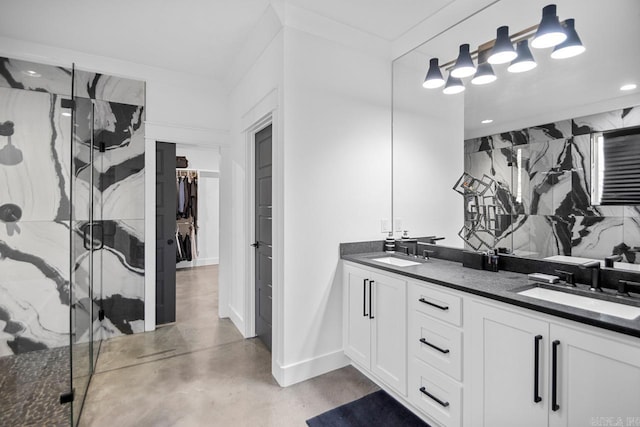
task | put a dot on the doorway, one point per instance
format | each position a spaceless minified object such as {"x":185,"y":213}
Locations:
{"x":187,"y":222}
{"x":263,"y":233}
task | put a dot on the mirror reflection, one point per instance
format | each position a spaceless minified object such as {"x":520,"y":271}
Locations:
{"x":510,"y":164}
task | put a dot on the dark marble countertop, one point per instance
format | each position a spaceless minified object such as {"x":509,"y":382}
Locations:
{"x":501,"y":286}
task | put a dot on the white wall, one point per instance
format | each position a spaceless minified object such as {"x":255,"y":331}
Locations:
{"x":208,"y":236}
{"x":337,"y":168}
{"x":257,"y":93}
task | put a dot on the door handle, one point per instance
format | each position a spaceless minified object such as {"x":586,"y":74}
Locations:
{"x":371,"y":282}
{"x":101,"y":244}
{"x":554,"y":376}
{"x":364,"y":297}
{"x":536,"y":368}
{"x":256,"y":245}
{"x":170,"y":242}
{"x":84,"y":236}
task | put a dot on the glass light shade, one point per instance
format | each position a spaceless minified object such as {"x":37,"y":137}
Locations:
{"x":550,"y":33}
{"x":524,"y":61}
{"x":464,"y":66}
{"x":434,"y":78}
{"x":484,"y":75}
{"x":454,"y":85}
{"x":502,"y":51}
{"x":572,"y":46}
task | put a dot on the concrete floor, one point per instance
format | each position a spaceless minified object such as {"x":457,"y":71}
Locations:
{"x":200,"y":371}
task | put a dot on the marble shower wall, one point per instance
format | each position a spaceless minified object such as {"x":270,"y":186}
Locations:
{"x":35,"y":204}
{"x":543,"y":178}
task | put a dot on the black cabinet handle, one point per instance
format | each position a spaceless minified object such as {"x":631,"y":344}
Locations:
{"x":536,"y":368}
{"x":554,"y":376}
{"x":371,"y":282}
{"x":170,"y":242}
{"x":441,"y":350}
{"x":364,"y":297}
{"x":441,"y":307}
{"x":424,"y":391}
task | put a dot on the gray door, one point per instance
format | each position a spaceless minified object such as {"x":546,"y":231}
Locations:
{"x":165,"y":233}
{"x":263,"y":235}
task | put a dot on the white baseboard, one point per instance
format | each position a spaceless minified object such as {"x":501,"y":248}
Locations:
{"x":237,"y":320}
{"x":197,"y":263}
{"x":300,"y":371}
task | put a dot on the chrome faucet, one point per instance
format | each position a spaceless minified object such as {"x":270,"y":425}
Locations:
{"x":594,"y":266}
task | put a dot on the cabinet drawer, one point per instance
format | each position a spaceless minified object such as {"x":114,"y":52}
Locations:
{"x":433,"y":302}
{"x":435,"y":394}
{"x":436,"y":343}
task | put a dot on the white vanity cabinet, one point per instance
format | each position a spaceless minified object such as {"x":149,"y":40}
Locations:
{"x":375,"y":324}
{"x":435,"y":352}
{"x":530,"y":370}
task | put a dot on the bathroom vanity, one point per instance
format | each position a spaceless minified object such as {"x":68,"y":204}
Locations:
{"x":463,"y":347}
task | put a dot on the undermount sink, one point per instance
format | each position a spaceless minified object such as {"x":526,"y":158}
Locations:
{"x":398,"y":262}
{"x":586,"y":303}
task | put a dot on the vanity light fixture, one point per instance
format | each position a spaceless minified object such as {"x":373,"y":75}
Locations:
{"x":484,"y":75}
{"x":486,"y":121}
{"x":562,"y":36}
{"x":572,"y":46}
{"x":454,"y":85}
{"x":66,"y":114}
{"x":502,"y":51}
{"x":524,"y":61}
{"x":629,"y":86}
{"x":550,"y":33}
{"x":434,"y":78}
{"x":464,"y":66}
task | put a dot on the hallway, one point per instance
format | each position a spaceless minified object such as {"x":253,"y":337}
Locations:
{"x":200,"y":371}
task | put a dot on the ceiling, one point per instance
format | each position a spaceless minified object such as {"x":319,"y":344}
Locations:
{"x":194,"y":36}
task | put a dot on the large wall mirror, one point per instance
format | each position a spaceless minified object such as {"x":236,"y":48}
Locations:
{"x":527,"y":138}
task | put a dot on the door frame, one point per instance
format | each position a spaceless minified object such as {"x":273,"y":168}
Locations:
{"x":210,"y":138}
{"x":271,"y":117}
{"x":250,"y":294}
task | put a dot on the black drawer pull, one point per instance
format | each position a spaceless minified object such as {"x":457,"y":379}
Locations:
{"x":536,"y":368}
{"x":424,"y":391}
{"x":444,"y":351}
{"x":371,"y":282}
{"x":554,"y":376}
{"x":364,"y":298}
{"x":441,"y":307}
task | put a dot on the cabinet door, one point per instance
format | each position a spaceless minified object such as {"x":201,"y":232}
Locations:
{"x":389,"y":334}
{"x":503,"y":368}
{"x":598,"y":380}
{"x":357,"y":324}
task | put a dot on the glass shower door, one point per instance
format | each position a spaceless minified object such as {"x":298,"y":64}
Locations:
{"x":86,"y":244}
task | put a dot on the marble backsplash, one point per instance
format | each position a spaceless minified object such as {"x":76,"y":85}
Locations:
{"x":36,"y":169}
{"x":541,"y":185}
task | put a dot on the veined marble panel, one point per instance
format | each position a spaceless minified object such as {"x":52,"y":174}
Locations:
{"x":631,"y":233}
{"x":109,"y":88}
{"x":34,"y":160}
{"x":596,"y":237}
{"x":550,"y":131}
{"x":25,"y":75}
{"x":598,"y":122}
{"x":34,"y":287}
{"x":631,"y":116}
{"x":32,"y":76}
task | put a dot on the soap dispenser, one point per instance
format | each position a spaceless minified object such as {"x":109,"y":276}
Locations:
{"x":390,"y":244}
